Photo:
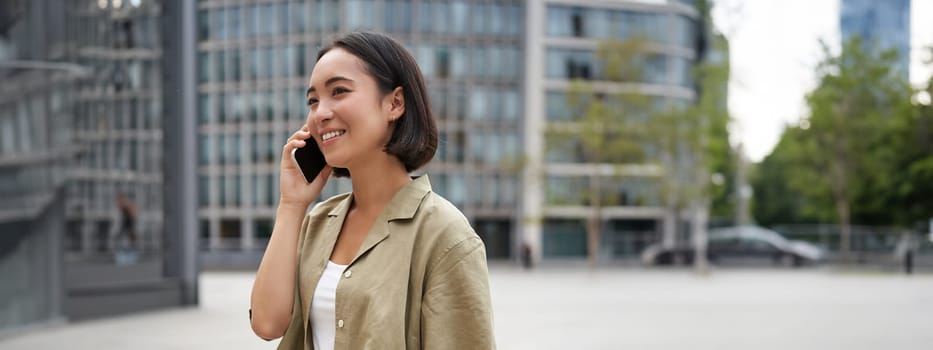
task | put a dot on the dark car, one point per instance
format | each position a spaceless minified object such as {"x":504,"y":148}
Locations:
{"x":739,"y":245}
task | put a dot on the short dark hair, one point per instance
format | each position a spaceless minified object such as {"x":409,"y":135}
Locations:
{"x":414,"y":139}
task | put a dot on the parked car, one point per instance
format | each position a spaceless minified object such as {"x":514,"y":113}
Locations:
{"x":739,"y":245}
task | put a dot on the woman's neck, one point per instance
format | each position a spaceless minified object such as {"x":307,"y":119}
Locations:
{"x":375,"y":183}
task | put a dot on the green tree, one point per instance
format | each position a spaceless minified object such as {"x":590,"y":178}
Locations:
{"x":684,"y":141}
{"x":844,"y":149}
{"x":909,"y":187}
{"x":609,"y":131}
{"x":692,"y":142}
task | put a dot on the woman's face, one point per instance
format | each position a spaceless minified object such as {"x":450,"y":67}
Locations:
{"x":349,"y":117}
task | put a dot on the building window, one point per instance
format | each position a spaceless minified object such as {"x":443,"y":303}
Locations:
{"x":482,"y":14}
{"x":398,"y":16}
{"x":441,"y":154}
{"x":251,"y":23}
{"x":327,"y":12}
{"x":237,"y":199}
{"x":235,"y":64}
{"x":477,"y":141}
{"x":237,"y":106}
{"x":203,"y":25}
{"x":480,"y":65}
{"x":439,"y":18}
{"x":458,"y":144}
{"x":234,"y":148}
{"x":458,"y":62}
{"x":221,"y":149}
{"x":556,"y":108}
{"x":204,"y":188}
{"x":267,"y":20}
{"x":568,"y":64}
{"x":221,"y":104}
{"x":424,"y":16}
{"x":576,"y":22}
{"x":479,"y":104}
{"x":217,"y":25}
{"x":287,"y":56}
{"x":267,"y":62}
{"x":563,"y":238}
{"x":234,"y":18}
{"x":272,"y":145}
{"x":498,"y":20}
{"x":459,"y":17}
{"x":298,"y":13}
{"x":456,"y":189}
{"x":204,"y":149}
{"x":220,"y":66}
{"x":360,"y":14}
{"x":515,"y":20}
{"x":425,"y":57}
{"x":268,"y":107}
{"x":204,"y":67}
{"x":221,"y":191}
{"x":270,"y":189}
{"x":253,"y":63}
{"x":300,"y":59}
{"x":682,"y":71}
{"x":566,"y":190}
{"x":443,"y":62}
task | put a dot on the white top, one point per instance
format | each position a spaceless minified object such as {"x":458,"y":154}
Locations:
{"x":323,"y":316}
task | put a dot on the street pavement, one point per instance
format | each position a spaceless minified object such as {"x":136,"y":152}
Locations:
{"x":576,"y":308}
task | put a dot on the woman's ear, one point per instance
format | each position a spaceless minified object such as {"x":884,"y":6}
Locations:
{"x":396,"y":104}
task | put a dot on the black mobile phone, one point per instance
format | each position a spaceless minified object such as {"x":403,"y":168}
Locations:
{"x":310,"y":160}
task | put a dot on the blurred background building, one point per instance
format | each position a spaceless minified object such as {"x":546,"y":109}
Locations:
{"x":497,"y":72}
{"x":562,"y":39}
{"x":91,"y":165}
{"x":254,"y":60}
{"x":165,"y":119}
{"x":882,"y":25}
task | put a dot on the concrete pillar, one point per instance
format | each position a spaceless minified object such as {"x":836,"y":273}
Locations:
{"x":532,"y":200}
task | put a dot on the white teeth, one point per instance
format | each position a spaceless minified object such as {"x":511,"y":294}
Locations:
{"x":332,"y":134}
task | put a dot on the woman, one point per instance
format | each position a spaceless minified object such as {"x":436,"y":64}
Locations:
{"x":391,"y":265}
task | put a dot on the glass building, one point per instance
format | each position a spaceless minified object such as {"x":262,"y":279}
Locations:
{"x":561,"y":46}
{"x":84,"y":133}
{"x":254,"y":61}
{"x":884,"y":25}
{"x":497,"y":72}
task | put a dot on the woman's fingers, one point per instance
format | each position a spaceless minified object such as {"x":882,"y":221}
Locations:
{"x":302,"y":134}
{"x":297,"y":139}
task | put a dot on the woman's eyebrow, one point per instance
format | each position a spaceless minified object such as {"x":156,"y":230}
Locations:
{"x":330,"y":81}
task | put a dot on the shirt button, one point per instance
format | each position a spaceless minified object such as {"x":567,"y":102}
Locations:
{"x":347,"y":274}
{"x":340,"y":324}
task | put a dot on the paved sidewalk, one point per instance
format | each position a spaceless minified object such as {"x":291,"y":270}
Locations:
{"x":580,"y":309}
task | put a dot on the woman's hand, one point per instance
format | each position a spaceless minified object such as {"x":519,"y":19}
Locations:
{"x":294,"y":190}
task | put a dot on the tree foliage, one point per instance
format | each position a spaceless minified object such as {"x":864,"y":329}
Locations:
{"x":863,"y":155}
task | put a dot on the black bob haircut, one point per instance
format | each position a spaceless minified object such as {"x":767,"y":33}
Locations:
{"x":414,"y":139}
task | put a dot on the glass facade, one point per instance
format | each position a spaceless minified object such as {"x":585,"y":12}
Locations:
{"x":882,"y":25}
{"x":601,"y":23}
{"x":250,"y":99}
{"x":572,"y":37}
{"x":254,"y":58}
{"x":118,"y":119}
{"x":84,"y":181}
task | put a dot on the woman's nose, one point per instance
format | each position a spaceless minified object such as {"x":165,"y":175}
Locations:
{"x":322,"y":113}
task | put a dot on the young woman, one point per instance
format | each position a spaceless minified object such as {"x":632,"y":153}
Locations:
{"x":391,"y":265}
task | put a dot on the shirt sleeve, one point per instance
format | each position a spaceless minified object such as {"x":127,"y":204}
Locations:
{"x":456,"y":309}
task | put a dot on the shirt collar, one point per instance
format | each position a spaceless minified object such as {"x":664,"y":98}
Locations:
{"x":403,"y":205}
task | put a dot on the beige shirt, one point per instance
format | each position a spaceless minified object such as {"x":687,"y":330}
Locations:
{"x":419,"y":280}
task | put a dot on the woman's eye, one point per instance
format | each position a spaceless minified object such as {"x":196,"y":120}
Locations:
{"x":340,"y":90}
{"x":312,"y":101}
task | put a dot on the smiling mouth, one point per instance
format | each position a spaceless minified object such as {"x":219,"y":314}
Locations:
{"x":332,"y":134}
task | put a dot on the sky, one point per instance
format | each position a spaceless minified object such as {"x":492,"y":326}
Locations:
{"x":774,"y":47}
